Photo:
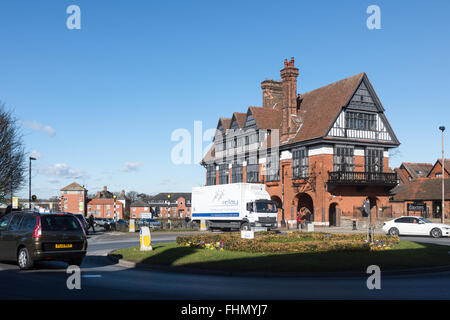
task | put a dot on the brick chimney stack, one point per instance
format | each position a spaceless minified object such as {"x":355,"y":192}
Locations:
{"x":272,"y":93}
{"x":123,"y":193}
{"x":105,"y":189}
{"x":289,"y":103}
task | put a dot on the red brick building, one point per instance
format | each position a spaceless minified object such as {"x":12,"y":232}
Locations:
{"x":421,"y":184}
{"x":436,"y":170}
{"x":105,"y":205}
{"x":73,"y":198}
{"x":323,"y":152}
{"x":139,"y":209}
{"x":171,"y":205}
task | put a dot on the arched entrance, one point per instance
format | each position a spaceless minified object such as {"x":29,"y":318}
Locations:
{"x":305,"y":206}
{"x":332,"y":215}
{"x":279,"y":206}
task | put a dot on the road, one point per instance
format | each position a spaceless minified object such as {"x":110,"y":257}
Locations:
{"x":103,"y":279}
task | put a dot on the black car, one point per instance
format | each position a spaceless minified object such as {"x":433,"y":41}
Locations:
{"x":26,"y":237}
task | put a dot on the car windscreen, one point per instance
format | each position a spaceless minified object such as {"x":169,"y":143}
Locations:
{"x":265,"y":206}
{"x":59,"y":223}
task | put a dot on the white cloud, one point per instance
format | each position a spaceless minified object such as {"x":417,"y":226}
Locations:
{"x":40,"y":127}
{"x":54,"y":181}
{"x":36,"y":154}
{"x":62,"y":170}
{"x":131,"y":166}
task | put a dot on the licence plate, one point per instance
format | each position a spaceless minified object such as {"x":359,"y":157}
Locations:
{"x":63,"y":246}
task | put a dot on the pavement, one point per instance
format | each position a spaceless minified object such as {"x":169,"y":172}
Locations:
{"x":102,"y":278}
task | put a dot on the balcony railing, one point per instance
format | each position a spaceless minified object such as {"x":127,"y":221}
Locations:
{"x":387,"y":179}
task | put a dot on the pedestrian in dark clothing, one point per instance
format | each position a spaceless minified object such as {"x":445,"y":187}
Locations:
{"x":91,"y":222}
{"x":187,"y":219}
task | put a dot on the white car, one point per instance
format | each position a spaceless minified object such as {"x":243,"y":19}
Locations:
{"x":417,"y":226}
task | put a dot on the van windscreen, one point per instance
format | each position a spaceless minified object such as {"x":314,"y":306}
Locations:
{"x":59,"y":223}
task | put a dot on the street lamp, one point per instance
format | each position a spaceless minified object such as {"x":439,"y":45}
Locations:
{"x":29,"y":187}
{"x":442,"y":128}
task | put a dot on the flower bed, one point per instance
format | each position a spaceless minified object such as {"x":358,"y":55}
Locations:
{"x":286,"y":243}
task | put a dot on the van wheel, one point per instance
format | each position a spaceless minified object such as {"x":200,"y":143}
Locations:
{"x":436,"y":233}
{"x":245,"y":227}
{"x":24,"y":259}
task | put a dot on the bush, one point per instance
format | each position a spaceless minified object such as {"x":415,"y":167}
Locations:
{"x":292,"y":242}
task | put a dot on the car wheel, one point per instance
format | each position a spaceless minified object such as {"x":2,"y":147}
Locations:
{"x":24,"y":259}
{"x":394,"y":232}
{"x":245,"y":226}
{"x":436,"y":233}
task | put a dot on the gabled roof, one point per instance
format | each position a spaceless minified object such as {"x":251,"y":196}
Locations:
{"x":417,"y":170}
{"x":240,"y":118}
{"x":401,"y":176}
{"x":225,"y":122}
{"x":73,"y":187}
{"x":319,"y":108}
{"x":266,"y":118}
{"x":173,"y":196}
{"x":139,"y":203}
{"x":446,"y":165}
{"x":423,"y":189}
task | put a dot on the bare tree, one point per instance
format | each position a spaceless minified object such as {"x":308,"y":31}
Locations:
{"x":12,"y":154}
{"x":132,"y":195}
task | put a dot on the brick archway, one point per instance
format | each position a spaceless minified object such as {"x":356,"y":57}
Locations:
{"x":305,"y":205}
{"x":333,"y":214}
{"x":279,"y":206}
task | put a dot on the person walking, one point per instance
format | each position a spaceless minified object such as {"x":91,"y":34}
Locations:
{"x":187,"y":219}
{"x":91,"y":222}
{"x":299,"y":220}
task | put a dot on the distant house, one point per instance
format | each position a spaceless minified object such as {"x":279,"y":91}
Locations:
{"x":140,"y":209}
{"x":171,"y":204}
{"x":74,"y":198}
{"x":424,"y":191}
{"x":436,"y":171}
{"x":105,"y":205}
{"x":409,"y":171}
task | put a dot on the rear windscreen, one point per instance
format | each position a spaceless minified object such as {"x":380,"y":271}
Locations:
{"x":59,"y":223}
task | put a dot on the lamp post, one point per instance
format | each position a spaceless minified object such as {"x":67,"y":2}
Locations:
{"x":29,"y":181}
{"x":442,"y":128}
{"x":115,"y":214}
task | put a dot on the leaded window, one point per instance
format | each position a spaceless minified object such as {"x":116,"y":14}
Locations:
{"x":223,"y":173}
{"x":211,"y":175}
{"x":374,"y":160}
{"x":237,"y":172}
{"x":252,"y":170}
{"x":273,"y":167}
{"x":343,"y":159}
{"x":300,"y":165}
{"x":360,"y":121}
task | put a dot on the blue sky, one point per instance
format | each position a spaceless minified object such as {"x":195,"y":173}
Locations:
{"x":101,"y":103}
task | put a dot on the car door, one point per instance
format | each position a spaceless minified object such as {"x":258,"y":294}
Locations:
{"x":415,"y":227}
{"x":402,"y":225}
{"x":10,"y":236}
{"x":4,"y":223}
